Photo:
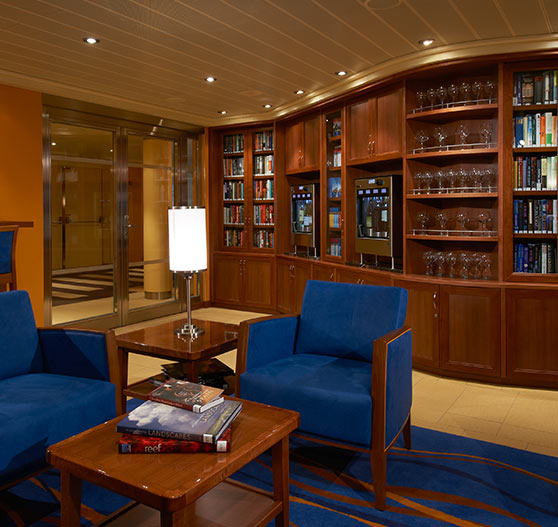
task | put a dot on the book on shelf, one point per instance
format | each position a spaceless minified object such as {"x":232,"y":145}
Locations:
{"x":212,"y":372}
{"x":191,"y":396}
{"x":134,"y":444}
{"x":162,"y":420}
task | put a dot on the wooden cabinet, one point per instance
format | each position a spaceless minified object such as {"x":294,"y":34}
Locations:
{"x":292,"y":276}
{"x":362,"y":276}
{"x":375,"y":128}
{"x":470,"y":329}
{"x":423,"y":317}
{"x":325,"y":273}
{"x":302,"y":145}
{"x":532,"y":334}
{"x":243,"y":279}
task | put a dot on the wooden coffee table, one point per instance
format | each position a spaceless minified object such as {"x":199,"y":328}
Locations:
{"x":187,"y":489}
{"x":162,"y":341}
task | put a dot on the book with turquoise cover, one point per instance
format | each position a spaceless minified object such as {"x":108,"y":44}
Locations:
{"x":162,"y":420}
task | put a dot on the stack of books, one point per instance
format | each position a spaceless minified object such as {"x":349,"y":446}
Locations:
{"x":179,"y":416}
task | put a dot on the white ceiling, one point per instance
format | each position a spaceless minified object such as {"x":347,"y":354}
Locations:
{"x":153,"y":55}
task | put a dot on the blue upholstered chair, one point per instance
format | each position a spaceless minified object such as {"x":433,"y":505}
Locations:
{"x":344,"y":363}
{"x":8,"y":237}
{"x":54,"y":383}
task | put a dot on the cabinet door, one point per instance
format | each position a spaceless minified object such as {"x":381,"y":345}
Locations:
{"x":311,"y":144}
{"x":300,"y":276}
{"x":359,"y":133}
{"x":293,"y":146}
{"x":389,"y":124}
{"x":258,"y":282}
{"x":325,"y":273}
{"x":532,"y":333}
{"x":470,"y":329}
{"x":423,"y":319}
{"x":348,"y":277}
{"x":285,"y":303}
{"x":226,"y":279}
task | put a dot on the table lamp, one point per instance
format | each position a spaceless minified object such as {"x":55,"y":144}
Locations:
{"x":187,"y":253}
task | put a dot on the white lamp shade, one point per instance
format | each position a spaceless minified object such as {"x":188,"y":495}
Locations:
{"x":187,"y":239}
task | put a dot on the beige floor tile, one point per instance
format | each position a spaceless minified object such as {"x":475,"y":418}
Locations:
{"x":470,"y":424}
{"x":424,"y":415}
{"x":534,"y":414}
{"x":495,"y":412}
{"x":539,"y":449}
{"x":532,"y":437}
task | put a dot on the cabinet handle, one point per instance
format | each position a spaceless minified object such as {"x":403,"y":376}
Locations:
{"x":331,"y":276}
{"x":241,"y":267}
{"x":435,"y":304}
{"x":373,"y":144}
{"x":369,"y":144}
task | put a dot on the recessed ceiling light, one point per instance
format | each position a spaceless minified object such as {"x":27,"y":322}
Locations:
{"x":53,"y":143}
{"x":91,"y":40}
{"x":427,"y":41}
{"x":267,"y":105}
{"x":210,"y":79}
{"x":222,"y":112}
{"x":340,"y":73}
{"x":299,"y":92}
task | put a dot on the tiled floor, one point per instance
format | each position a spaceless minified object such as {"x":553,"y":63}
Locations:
{"x":517,"y":417}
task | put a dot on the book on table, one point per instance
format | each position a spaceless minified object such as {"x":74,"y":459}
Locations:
{"x":191,"y":396}
{"x":134,"y":444}
{"x":162,"y":420}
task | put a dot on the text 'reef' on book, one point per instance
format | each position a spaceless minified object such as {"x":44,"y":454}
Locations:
{"x":162,"y":420}
{"x":188,"y":395}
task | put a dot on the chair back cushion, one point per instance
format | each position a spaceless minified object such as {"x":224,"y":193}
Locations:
{"x":343,"y":320}
{"x":20,"y":351}
{"x":6,"y":240}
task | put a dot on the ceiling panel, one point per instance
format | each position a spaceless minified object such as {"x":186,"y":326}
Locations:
{"x":154,"y":54}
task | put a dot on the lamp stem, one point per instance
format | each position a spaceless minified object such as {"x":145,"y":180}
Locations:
{"x":189,"y":330}
{"x":189,"y":298}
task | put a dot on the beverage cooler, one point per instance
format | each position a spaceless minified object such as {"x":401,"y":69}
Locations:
{"x":304,"y":219}
{"x":378,"y":218}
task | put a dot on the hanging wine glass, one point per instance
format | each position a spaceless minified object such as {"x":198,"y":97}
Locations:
{"x":442,"y":93}
{"x":421,"y":99}
{"x":421,"y":138}
{"x":486,"y":133}
{"x":462,"y":133}
{"x":440,"y":135}
{"x":465,"y":92}
{"x":489,"y":89}
{"x":453,"y":91}
{"x":461,"y":218}
{"x":476,"y":88}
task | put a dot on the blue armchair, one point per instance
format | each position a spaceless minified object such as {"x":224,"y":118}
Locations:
{"x":8,"y":237}
{"x":344,"y":364}
{"x":54,"y":383}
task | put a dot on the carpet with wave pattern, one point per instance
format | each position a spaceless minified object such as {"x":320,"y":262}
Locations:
{"x":445,"y":480}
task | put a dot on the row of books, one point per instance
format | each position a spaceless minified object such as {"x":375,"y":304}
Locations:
{"x":263,"y":189}
{"x":335,"y":246}
{"x":535,"y":87}
{"x":179,"y":416}
{"x":264,"y":239}
{"x":535,"y":172}
{"x":233,"y":190}
{"x":538,"y":216}
{"x":334,"y":217}
{"x":263,"y":165}
{"x":233,"y":214}
{"x":264,"y":214}
{"x":212,"y":372}
{"x":234,"y":238}
{"x":233,"y":144}
{"x":263,"y":140}
{"x":337,"y":156}
{"x":534,"y":130}
{"x":233,"y":166}
{"x":534,"y":258}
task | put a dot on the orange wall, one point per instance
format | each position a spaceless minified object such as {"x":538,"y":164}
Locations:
{"x":21,"y":185}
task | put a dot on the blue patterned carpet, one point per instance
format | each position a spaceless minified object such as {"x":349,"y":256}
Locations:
{"x":445,"y":480}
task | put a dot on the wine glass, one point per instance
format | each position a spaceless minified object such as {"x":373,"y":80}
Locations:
{"x":451,"y":176}
{"x":428,"y":178}
{"x":462,"y":219}
{"x":465,"y":92}
{"x":475,"y":259}
{"x":428,"y":257}
{"x":442,"y":218}
{"x":453,"y":91}
{"x":489,"y":88}
{"x":476,"y":88}
{"x":464,"y":263}
{"x":462,"y":133}
{"x":421,"y":138}
{"x":440,"y":134}
{"x":487,"y":178}
{"x":423,"y":218}
{"x":485,"y":267}
{"x":431,"y":94}
{"x":439,"y":261}
{"x":484,"y":218}
{"x":442,"y":93}
{"x":463,"y":177}
{"x":421,"y":99}
{"x":418,"y":177}
{"x":451,"y":259}
{"x":439,"y":176}
{"x":486,"y":133}
{"x":477,"y":177}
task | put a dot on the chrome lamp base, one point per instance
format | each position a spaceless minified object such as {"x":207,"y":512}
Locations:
{"x":190,"y":330}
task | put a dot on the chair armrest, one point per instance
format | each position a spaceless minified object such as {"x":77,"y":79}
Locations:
{"x":263,"y":340}
{"x":391,"y":385}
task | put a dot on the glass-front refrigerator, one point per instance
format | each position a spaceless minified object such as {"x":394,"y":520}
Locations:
{"x":378,"y":203}
{"x":304,"y":220}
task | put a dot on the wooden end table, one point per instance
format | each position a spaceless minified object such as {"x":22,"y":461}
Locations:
{"x":162,"y":341}
{"x":183,"y":487}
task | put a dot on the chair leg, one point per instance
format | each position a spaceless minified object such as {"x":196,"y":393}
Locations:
{"x":407,"y":434}
{"x":378,"y":464}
